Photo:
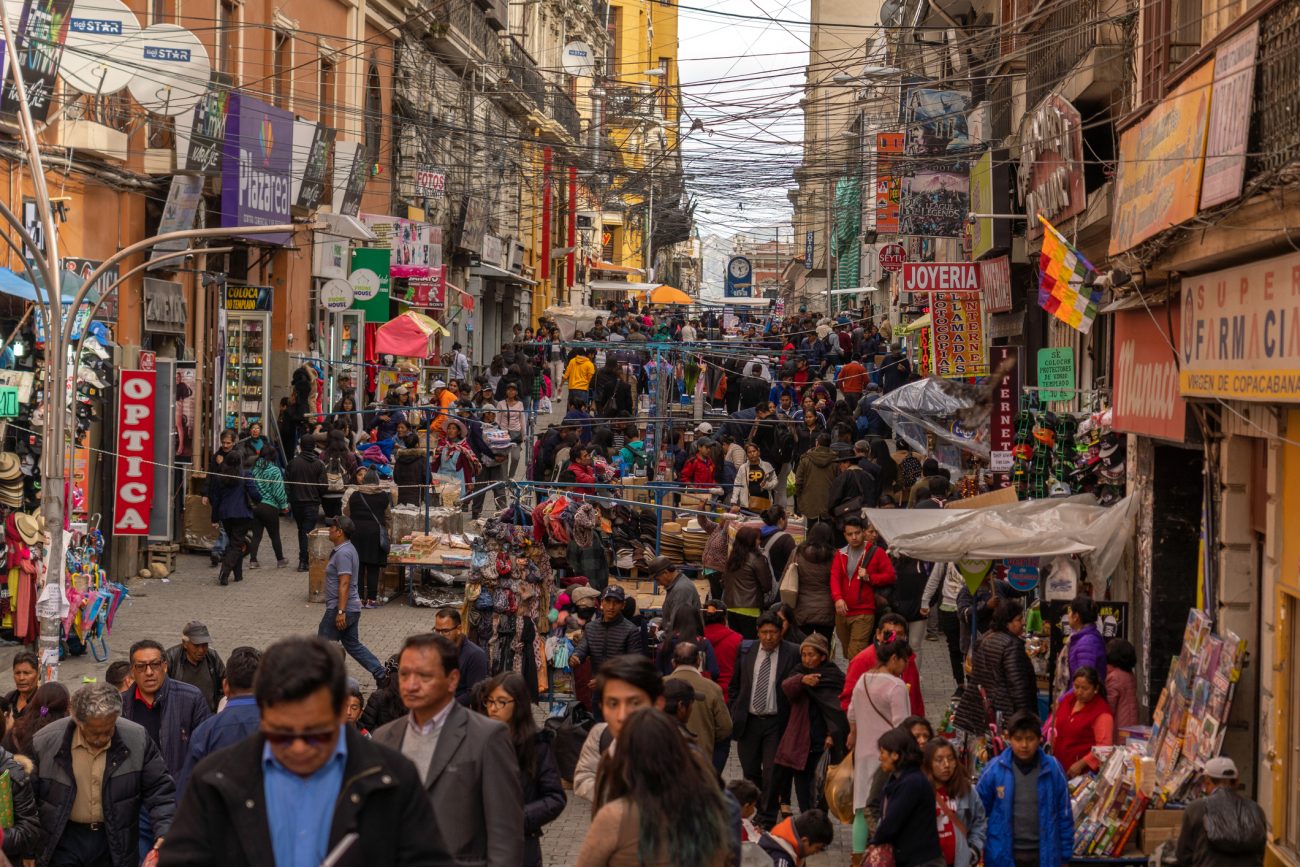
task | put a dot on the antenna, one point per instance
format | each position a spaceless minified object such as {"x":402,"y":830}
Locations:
{"x":173,"y":69}
{"x":577,"y":58}
{"x":97,"y":51}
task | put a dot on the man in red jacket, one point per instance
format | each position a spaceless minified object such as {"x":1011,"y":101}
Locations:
{"x":858,"y":568}
{"x":726,"y":647}
{"x":890,"y":627}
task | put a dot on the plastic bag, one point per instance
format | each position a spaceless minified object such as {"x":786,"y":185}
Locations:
{"x":570,"y":733}
{"x":819,"y":780}
{"x":838,"y":790}
{"x":1235,"y":825}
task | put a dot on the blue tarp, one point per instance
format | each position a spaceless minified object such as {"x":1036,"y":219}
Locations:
{"x":18,"y":286}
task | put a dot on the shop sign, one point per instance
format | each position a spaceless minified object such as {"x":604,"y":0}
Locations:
{"x":892,"y":257}
{"x":1147,"y":400}
{"x":473,"y":224}
{"x":329,"y":256}
{"x":430,"y":183}
{"x":1051,"y":163}
{"x":164,"y":306}
{"x":1112,"y":619}
{"x":958,"y":333}
{"x":1056,"y":373}
{"x":183,"y":198}
{"x":1006,"y":407}
{"x":990,"y":193}
{"x":370,"y":283}
{"x":148,"y":359}
{"x":1022,"y":573}
{"x":889,"y":185}
{"x":238,"y":298}
{"x":940,"y":277}
{"x":428,"y":291}
{"x":336,"y":295}
{"x":1230,"y":105}
{"x":255,"y":166}
{"x":8,"y":401}
{"x":934,"y":202}
{"x":1240,"y":332}
{"x":135,"y":453}
{"x":493,"y":250}
{"x":1160,"y":163}
{"x":415,"y":248}
{"x":808,"y":248}
{"x":352,"y":165}
{"x":1003,"y":325}
{"x":39,"y":43}
{"x":83,"y":268}
{"x":995,"y":278}
{"x":23,"y":380}
{"x":207,"y":132}
{"x":315,"y":140}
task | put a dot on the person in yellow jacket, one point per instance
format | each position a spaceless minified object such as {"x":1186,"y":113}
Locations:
{"x":578,"y":376}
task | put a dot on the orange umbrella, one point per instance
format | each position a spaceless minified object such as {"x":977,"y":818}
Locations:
{"x":669,"y":295}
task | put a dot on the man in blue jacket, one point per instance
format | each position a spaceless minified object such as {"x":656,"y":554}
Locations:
{"x":1027,"y":801}
{"x":238,"y":720}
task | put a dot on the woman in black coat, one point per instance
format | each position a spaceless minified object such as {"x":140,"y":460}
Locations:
{"x":368,"y":509}
{"x":507,"y":700}
{"x":1002,"y":678}
{"x":410,"y":466}
{"x":907,"y":818}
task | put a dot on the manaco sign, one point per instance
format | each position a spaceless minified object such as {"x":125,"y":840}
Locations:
{"x":1240,"y":332}
{"x":940,"y":277}
{"x":1146,"y":375}
{"x":135,"y":451}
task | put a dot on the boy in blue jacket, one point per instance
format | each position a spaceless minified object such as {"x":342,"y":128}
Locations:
{"x":1027,"y":801}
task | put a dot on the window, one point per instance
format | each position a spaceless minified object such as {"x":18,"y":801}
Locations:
{"x":615,"y":43}
{"x":1171,"y":33}
{"x":325,"y":91}
{"x":282,"y":58}
{"x":228,"y":38}
{"x":162,"y":12}
{"x":374,"y":111}
{"x":665,"y":85}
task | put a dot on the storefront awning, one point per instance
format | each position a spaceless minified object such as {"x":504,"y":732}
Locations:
{"x":343,"y":226}
{"x":492,"y":272}
{"x":619,"y":286}
{"x":19,"y":287}
{"x":916,"y":325}
{"x":615,"y":269}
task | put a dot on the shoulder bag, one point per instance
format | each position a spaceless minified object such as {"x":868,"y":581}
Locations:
{"x":384,"y":543}
{"x":790,"y":583}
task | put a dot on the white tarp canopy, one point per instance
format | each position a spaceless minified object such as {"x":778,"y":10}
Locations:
{"x":1031,"y":528}
{"x":917,"y":407}
{"x":571,"y":319}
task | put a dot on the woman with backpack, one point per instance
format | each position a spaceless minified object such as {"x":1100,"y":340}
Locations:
{"x":746,"y":583}
{"x":368,"y":509}
{"x":266,"y":514}
{"x":340,"y":463}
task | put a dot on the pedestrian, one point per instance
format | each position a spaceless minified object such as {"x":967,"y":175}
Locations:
{"x":725,"y":640}
{"x":623,"y":684}
{"x":266,"y":513}
{"x":459,"y":363}
{"x":384,"y":704}
{"x":454,"y":461}
{"x":746,"y":583}
{"x":760,"y":709}
{"x":709,"y":721}
{"x":1222,"y":829}
{"x":232,"y":494}
{"x":216,"y":483}
{"x":746,"y":795}
{"x":25,"y":668}
{"x":168,"y":709}
{"x":1082,"y":721}
{"x":1017,"y":784}
{"x":193,"y":661}
{"x":48,"y":704}
{"x":119,"y":675}
{"x":659,"y":803}
{"x":959,"y":813}
{"x":97,"y":774}
{"x":798,"y":838}
{"x":472,"y":661}
{"x":756,"y":482}
{"x":466,"y":761}
{"x":368,"y":509}
{"x":608,"y":636}
{"x":1121,"y":685}
{"x":24,"y":837}
{"x":1001,"y":674}
{"x":578,"y":375}
{"x":305,"y":483}
{"x":1086,"y":646}
{"x":907,"y":823}
{"x":947,"y":581}
{"x":853,"y":488}
{"x":858,"y":569}
{"x":342,"y":617}
{"x":814,"y":474}
{"x":494,"y":461}
{"x":816,"y":723}
{"x":305,"y":785}
{"x":236,"y":721}
{"x":776,"y":544}
{"x":878,"y":703}
{"x":679,"y":590}
{"x":580,"y":473}
{"x":340,"y":463}
{"x":814,"y":608}
{"x":508,"y":701}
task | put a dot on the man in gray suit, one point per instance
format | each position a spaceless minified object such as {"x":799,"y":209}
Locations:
{"x":466,"y":761}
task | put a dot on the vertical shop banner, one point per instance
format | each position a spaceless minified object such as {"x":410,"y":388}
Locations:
{"x":255,"y":166}
{"x":207,"y":132}
{"x":808,"y":241}
{"x":990,"y":193}
{"x":958,"y":323}
{"x":370,"y":283}
{"x":1051,"y":163}
{"x":1230,"y":104}
{"x":315,"y":141}
{"x":1147,"y":400}
{"x":40,"y":37}
{"x":889,"y":147}
{"x":1006,"y":407}
{"x":178,"y":215}
{"x":1056,"y":373}
{"x":995,"y":281}
{"x":135,"y":453}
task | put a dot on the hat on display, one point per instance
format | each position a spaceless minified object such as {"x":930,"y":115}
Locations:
{"x":28,"y":527}
{"x":9,"y":468}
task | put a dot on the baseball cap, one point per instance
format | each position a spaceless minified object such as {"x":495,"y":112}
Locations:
{"x":704,"y":428}
{"x":613,"y":591}
{"x":196,"y":633}
{"x":659,"y":564}
{"x":438,"y":383}
{"x":1221,"y":768}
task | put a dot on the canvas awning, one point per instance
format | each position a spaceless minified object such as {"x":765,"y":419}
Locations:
{"x":1031,"y":528}
{"x":916,"y":325}
{"x":409,"y":335}
{"x":619,"y":286}
{"x":615,"y":269}
{"x":17,"y":285}
{"x":669,"y":295}
{"x":492,"y":272}
{"x":343,"y":226}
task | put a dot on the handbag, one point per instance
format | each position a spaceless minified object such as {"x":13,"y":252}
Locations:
{"x":790,"y":584}
{"x":385,"y":544}
{"x":838,"y":790}
{"x":879,"y":855}
{"x":851,"y":506}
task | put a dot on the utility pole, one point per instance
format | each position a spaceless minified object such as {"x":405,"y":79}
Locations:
{"x":826,"y":169}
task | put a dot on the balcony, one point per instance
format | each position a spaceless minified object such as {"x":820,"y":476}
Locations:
{"x":1077,"y":51}
{"x":524,"y":90}
{"x":632,"y":103}
{"x":565,"y":113}
{"x":461,"y":30}
{"x":1275,"y":121}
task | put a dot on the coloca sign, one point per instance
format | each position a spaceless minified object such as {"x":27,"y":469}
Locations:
{"x":135,"y":451}
{"x":255,"y":166}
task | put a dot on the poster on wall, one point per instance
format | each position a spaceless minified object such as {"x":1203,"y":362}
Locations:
{"x":135,"y":450}
{"x":889,"y":147}
{"x":207,"y":132}
{"x":934,"y":203}
{"x":185,"y":390}
{"x":183,"y":198}
{"x":936,"y":121}
{"x":415,"y":247}
{"x":958,"y":333}
{"x":42,"y":30}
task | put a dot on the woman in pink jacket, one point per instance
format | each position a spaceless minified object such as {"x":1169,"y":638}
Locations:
{"x":1121,"y":685}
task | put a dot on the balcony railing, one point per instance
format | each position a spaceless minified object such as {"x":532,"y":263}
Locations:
{"x":1276,"y":112}
{"x":632,"y":102}
{"x":465,"y":21}
{"x":565,"y":112}
{"x":999,"y":97}
{"x":1061,"y":40}
{"x":523,"y":73}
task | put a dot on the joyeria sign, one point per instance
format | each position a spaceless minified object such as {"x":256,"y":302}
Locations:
{"x":135,"y":450}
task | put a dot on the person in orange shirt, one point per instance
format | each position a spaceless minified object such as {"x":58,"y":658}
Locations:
{"x":852,"y":380}
{"x":444,"y":397}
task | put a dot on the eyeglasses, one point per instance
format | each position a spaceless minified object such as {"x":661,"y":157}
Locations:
{"x":158,"y":665}
{"x":311,"y":739}
{"x":498,"y":703}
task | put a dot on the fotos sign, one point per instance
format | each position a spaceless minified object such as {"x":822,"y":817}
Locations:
{"x":135,"y":452}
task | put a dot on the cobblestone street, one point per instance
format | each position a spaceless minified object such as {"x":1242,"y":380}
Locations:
{"x":271,"y":603}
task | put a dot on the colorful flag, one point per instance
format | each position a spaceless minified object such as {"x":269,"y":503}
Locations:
{"x":1062,"y":272}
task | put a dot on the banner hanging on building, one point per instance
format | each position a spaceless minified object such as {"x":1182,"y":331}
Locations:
{"x":41,"y":33}
{"x":207,"y":132}
{"x":135,"y":453}
{"x":1147,"y":400}
{"x":935,"y":203}
{"x":255,"y":166}
{"x":1006,"y":407}
{"x":957,"y":321}
{"x":889,"y":147}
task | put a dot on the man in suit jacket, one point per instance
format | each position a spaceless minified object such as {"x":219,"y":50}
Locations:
{"x":759,"y":709}
{"x":709,"y":721}
{"x":466,"y":761}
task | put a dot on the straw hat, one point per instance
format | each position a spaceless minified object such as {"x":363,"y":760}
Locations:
{"x":9,"y":466}
{"x":28,"y":527}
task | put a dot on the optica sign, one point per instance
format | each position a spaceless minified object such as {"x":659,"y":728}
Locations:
{"x":940,"y":277}
{"x":135,"y":450}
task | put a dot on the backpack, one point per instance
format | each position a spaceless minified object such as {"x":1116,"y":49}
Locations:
{"x":334,"y":477}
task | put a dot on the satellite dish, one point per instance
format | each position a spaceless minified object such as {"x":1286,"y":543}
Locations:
{"x":172,"y":69}
{"x":891,"y":13}
{"x":577,"y":59}
{"x":97,"y":53}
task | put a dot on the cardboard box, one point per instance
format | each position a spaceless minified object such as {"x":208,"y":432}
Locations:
{"x":1159,"y":826}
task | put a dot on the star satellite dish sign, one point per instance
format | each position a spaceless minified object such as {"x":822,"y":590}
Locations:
{"x":135,"y":450}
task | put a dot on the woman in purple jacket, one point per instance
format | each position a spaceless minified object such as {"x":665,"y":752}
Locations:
{"x":1086,"y":647}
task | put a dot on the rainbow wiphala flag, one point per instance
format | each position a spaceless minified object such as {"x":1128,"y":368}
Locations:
{"x":1062,"y":271}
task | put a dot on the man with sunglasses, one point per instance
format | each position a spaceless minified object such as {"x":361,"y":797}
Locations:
{"x":472,"y":658}
{"x":307,"y":785}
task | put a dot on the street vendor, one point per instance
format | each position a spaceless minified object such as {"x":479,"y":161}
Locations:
{"x":679,"y":591}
